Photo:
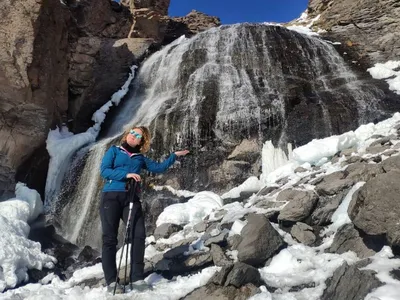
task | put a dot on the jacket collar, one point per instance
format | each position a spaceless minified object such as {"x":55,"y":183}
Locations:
{"x":127,"y":152}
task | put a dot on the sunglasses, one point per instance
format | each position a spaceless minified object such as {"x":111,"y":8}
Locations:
{"x":135,"y":134}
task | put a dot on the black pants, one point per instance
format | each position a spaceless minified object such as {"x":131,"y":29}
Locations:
{"x":115,"y":206}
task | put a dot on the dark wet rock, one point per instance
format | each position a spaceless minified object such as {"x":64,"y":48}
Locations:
{"x":347,"y":238}
{"x":165,"y":230}
{"x":303,"y":233}
{"x":174,"y":252}
{"x":88,"y":254}
{"x":300,"y":206}
{"x":154,"y":204}
{"x":395,"y":274}
{"x":182,"y":264}
{"x":348,"y":282}
{"x":260,"y":241}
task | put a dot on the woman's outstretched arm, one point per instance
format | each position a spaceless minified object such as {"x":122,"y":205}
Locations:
{"x":156,"y":167}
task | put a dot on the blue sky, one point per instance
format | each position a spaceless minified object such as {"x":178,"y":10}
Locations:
{"x":238,"y":11}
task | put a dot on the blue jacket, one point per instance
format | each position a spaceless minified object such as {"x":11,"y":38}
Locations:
{"x":117,"y":163}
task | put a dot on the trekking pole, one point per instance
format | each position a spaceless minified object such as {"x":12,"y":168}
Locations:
{"x":128,"y":223}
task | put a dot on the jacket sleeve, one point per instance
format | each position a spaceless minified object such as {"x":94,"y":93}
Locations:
{"x":106,"y":169}
{"x":155,"y":167}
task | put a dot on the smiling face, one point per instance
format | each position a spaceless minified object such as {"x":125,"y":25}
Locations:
{"x":134,"y":137}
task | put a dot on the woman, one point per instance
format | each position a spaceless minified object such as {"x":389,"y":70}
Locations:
{"x":119,"y":165}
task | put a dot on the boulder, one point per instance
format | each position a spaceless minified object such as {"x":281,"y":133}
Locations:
{"x":260,"y":241}
{"x":391,"y":164}
{"x":303,"y":233}
{"x":242,"y":274}
{"x":348,"y":282}
{"x":375,"y":208}
{"x":363,"y":171}
{"x":333,"y":184}
{"x":300,"y":206}
{"x":347,"y":238}
{"x":219,"y":277}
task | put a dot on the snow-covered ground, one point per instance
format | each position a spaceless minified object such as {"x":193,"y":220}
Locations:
{"x":298,"y":264}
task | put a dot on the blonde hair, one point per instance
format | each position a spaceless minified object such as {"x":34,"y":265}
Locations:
{"x":146,"y":138}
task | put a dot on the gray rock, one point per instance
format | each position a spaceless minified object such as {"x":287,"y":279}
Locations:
{"x":184,"y":242}
{"x":165,"y":230}
{"x":348,"y":238}
{"x":326,"y":206}
{"x":266,"y":190}
{"x":200,"y":227}
{"x":333,"y":184}
{"x":391,"y":164}
{"x":219,"y":277}
{"x":234,"y":241}
{"x":247,"y":149}
{"x":300,"y":206}
{"x":363,"y":171}
{"x":219,"y":239}
{"x":216,"y":292}
{"x":383,"y":141}
{"x":354,"y":159}
{"x":259,"y":241}
{"x":348,"y":282}
{"x":268,"y":203}
{"x":218,"y":256}
{"x":377,"y":149}
{"x":390,"y":152}
{"x":242,"y":274}
{"x":348,"y":152}
{"x":375,"y":208}
{"x":300,"y":170}
{"x":303,"y":233}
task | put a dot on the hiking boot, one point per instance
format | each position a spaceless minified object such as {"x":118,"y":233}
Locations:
{"x":118,"y":290}
{"x":140,"y":286}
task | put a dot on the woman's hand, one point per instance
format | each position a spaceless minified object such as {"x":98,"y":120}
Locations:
{"x":181,"y":153}
{"x":134,"y":176}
